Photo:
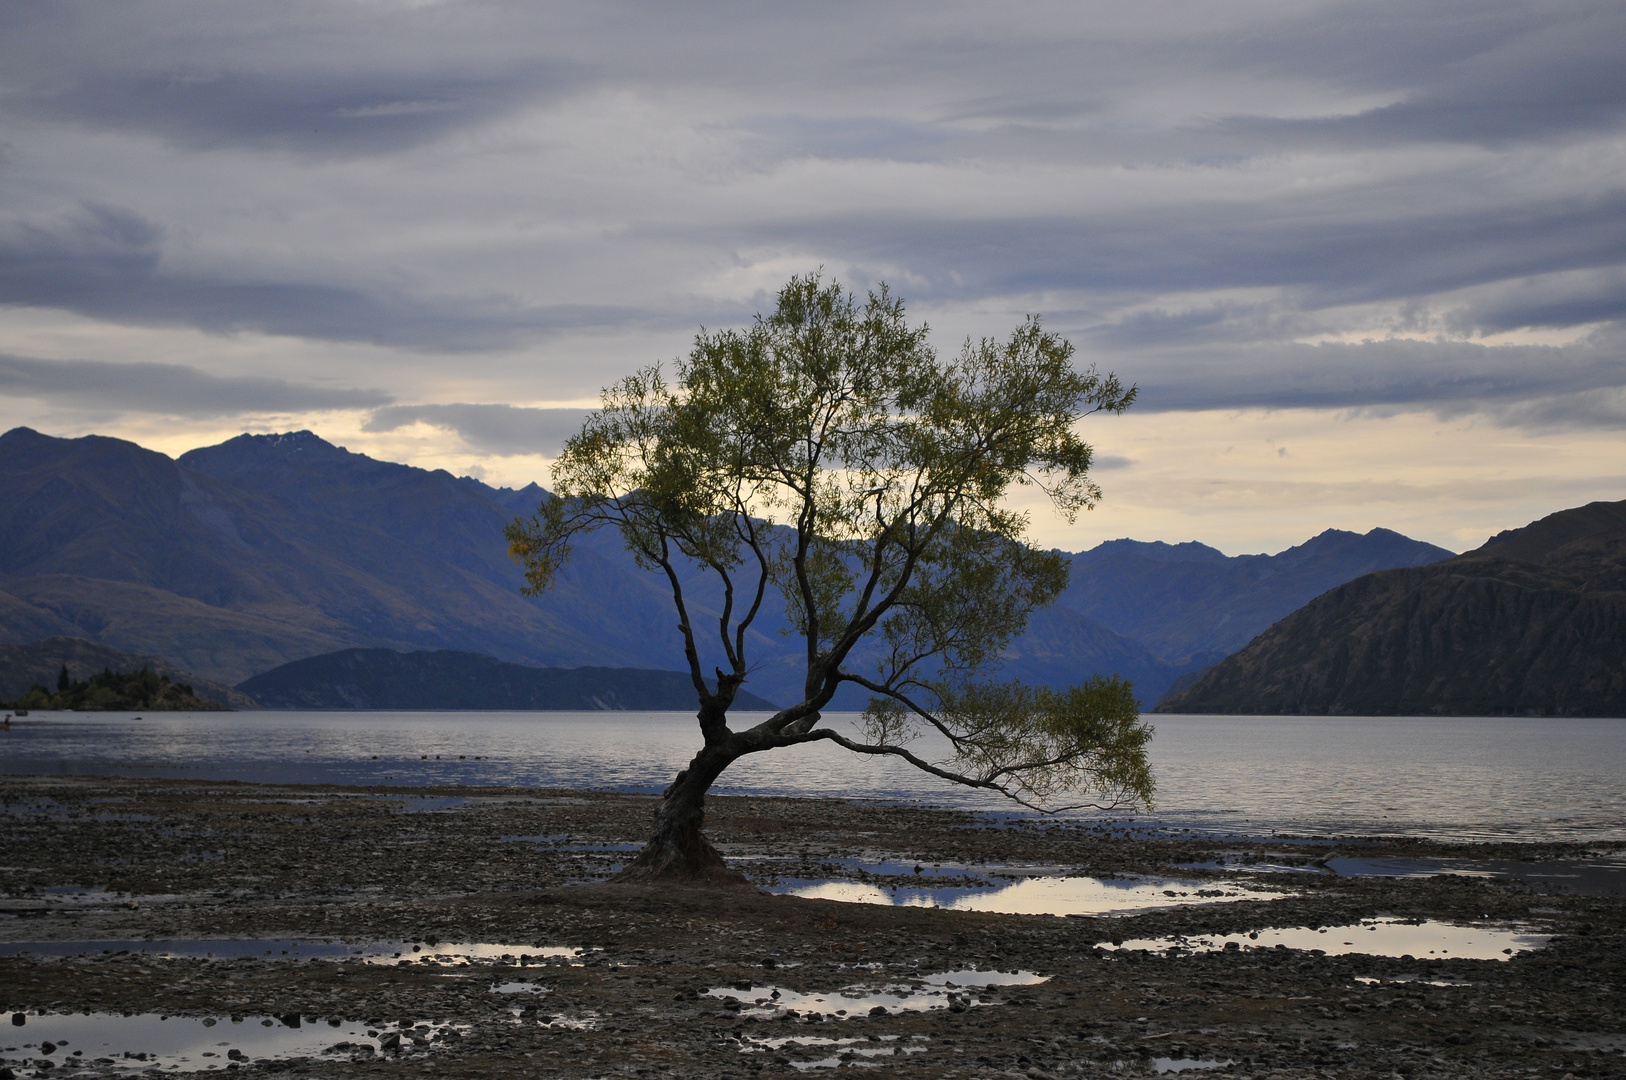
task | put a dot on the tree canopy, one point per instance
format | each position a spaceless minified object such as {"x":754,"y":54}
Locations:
{"x":826,"y":452}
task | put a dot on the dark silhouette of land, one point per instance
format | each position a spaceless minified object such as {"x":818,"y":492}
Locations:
{"x":443,"y":679}
{"x":42,"y":662}
{"x":1532,"y":623}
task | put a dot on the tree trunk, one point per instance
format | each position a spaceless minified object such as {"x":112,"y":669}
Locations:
{"x":677,"y":852}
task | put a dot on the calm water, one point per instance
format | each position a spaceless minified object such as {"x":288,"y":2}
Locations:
{"x":1451,"y":778}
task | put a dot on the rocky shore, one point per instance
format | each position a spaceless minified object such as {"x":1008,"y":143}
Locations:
{"x":585,"y":979}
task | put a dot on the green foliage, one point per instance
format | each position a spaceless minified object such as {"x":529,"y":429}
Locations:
{"x":827,"y":451}
{"x":116,"y":691}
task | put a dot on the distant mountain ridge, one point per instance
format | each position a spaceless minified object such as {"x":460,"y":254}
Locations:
{"x":443,"y":679}
{"x":1532,"y":623}
{"x":1191,"y":603}
{"x":237,"y":558}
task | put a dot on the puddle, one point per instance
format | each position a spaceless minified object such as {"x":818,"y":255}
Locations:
{"x":1427,"y":940}
{"x":193,"y":1044}
{"x":1081,"y":896}
{"x":519,"y":988}
{"x":446,"y":954}
{"x":1578,"y":877}
{"x":1372,"y":980}
{"x":1265,"y":864}
{"x":847,"y":1050}
{"x":905,"y":869}
{"x":1179,"y":1065}
{"x":383,"y":952}
{"x":953,"y":990}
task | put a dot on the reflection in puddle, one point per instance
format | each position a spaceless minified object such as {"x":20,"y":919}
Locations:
{"x":448,"y":953}
{"x":848,"y":1050}
{"x":1426,"y":940}
{"x":1579,"y":877}
{"x":147,"y":1041}
{"x":519,"y":988}
{"x":952,"y":990}
{"x":1265,"y":864}
{"x":1041,"y":895}
{"x":379,"y":952}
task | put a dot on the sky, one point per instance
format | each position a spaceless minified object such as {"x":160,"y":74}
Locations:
{"x":1366,"y":262}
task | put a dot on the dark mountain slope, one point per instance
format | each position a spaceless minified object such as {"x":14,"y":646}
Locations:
{"x":383,"y":679}
{"x":1534,"y":623}
{"x":22,"y":666}
{"x":277,"y":547}
{"x":1191,"y":604}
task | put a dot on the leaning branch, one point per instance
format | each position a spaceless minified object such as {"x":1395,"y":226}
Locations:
{"x":959,"y":778}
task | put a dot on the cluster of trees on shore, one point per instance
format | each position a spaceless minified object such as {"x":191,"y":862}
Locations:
{"x":114,"y":691}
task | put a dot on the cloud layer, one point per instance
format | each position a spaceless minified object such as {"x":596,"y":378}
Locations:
{"x":167,"y":389}
{"x":1364,"y":207}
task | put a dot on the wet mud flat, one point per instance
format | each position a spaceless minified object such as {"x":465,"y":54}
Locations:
{"x":324,"y":931}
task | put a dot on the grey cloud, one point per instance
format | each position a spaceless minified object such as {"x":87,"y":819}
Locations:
{"x":1590,"y":409}
{"x":320,"y":114}
{"x":105,"y":262}
{"x":1487,"y":74}
{"x":1443,"y":376}
{"x":851,"y":137}
{"x":1320,"y":246}
{"x":167,"y":389}
{"x":495,"y":429}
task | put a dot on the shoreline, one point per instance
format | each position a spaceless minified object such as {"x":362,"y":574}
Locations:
{"x":232,"y":860}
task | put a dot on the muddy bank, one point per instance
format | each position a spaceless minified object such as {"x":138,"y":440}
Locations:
{"x":590,"y":980}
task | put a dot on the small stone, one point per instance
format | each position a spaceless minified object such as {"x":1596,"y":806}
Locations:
{"x":879,"y":1010}
{"x":19,"y":1019}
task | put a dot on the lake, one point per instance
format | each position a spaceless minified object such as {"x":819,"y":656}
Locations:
{"x":1450,"y":778}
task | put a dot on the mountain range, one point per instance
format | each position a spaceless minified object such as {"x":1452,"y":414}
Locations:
{"x":235,"y":559}
{"x":1532,"y":623}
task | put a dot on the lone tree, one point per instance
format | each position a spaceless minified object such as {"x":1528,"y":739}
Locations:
{"x":827,"y":453}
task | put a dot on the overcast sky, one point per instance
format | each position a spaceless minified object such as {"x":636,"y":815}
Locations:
{"x":1367,"y":262}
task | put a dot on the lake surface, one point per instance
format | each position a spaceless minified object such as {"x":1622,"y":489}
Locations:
{"x":1454,"y":777}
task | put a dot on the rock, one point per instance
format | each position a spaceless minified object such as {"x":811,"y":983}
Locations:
{"x":47,"y":1047}
{"x":391,"y":1041}
{"x":879,"y":1010}
{"x":236,"y":1055}
{"x":19,"y":1019}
